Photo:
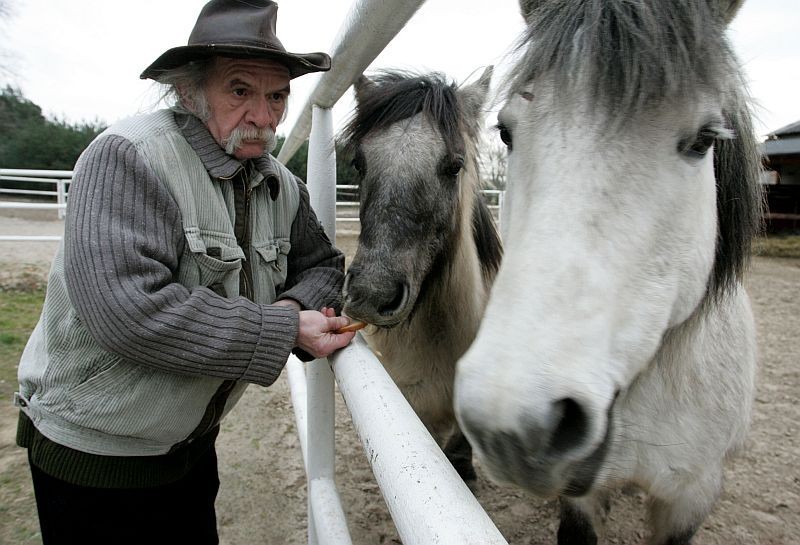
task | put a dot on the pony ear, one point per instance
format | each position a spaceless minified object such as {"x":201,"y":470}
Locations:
{"x":726,"y":9}
{"x":527,"y":7}
{"x":362,"y":86}
{"x":473,"y":96}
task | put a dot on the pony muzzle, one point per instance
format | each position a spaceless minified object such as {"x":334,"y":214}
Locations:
{"x":382,"y":302}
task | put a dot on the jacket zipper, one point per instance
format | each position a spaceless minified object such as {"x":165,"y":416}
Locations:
{"x":247,"y":271}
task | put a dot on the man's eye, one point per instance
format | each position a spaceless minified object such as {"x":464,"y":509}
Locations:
{"x":278,"y":97}
{"x":240,"y":91}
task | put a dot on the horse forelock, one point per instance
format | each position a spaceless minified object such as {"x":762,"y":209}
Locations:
{"x":628,"y":54}
{"x":634,"y":55}
{"x":399,"y":95}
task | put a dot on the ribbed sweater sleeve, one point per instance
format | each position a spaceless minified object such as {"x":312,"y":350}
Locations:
{"x":123,"y":241}
{"x":315,"y":266}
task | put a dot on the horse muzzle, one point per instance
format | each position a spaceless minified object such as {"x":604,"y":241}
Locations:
{"x":381,"y":300}
{"x":548,"y":456}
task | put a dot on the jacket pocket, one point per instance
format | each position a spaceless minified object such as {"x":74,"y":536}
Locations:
{"x":213,"y":260}
{"x":274,"y":257}
{"x":220,"y":276}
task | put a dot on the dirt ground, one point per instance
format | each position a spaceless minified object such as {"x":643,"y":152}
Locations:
{"x":262,"y":497}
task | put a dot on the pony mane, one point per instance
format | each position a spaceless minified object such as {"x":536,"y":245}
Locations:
{"x":487,"y":240}
{"x":633,"y":55}
{"x":397,"y":95}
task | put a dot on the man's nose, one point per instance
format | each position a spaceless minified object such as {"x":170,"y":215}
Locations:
{"x":262,"y":114}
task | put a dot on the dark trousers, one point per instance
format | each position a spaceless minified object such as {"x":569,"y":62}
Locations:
{"x":176,"y":513}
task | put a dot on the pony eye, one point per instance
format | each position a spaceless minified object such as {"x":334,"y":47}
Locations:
{"x":697,"y":146}
{"x":454,"y":167}
{"x":505,"y":136}
{"x":358,"y":164}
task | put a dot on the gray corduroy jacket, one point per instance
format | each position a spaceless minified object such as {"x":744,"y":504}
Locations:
{"x":143,"y":322}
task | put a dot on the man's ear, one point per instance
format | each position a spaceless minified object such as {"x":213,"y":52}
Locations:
{"x":185,"y":98}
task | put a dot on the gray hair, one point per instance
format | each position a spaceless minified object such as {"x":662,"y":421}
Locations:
{"x":183,"y":88}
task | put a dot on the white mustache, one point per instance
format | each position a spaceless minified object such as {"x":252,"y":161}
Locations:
{"x":247,"y":133}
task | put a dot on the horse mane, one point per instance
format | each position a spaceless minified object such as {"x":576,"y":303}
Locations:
{"x":397,"y":95}
{"x":740,"y":197}
{"x":487,"y":240}
{"x":636,"y":54}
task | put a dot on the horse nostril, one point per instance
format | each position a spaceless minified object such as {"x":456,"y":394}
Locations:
{"x":397,"y":302}
{"x":571,"y":427}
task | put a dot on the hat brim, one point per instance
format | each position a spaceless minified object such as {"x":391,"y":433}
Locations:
{"x":298,"y":63}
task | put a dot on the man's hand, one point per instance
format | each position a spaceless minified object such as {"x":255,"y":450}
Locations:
{"x":317,"y":330}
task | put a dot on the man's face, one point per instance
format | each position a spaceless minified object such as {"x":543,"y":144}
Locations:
{"x":246,"y":99}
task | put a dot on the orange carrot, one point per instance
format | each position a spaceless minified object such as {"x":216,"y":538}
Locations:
{"x":354,"y":325}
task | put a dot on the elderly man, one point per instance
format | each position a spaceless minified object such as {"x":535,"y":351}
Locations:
{"x":192,"y":265}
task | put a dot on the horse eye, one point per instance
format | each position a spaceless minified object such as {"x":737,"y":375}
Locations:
{"x":358,"y":164}
{"x":505,"y":136}
{"x":697,"y":146}
{"x":454,"y":167}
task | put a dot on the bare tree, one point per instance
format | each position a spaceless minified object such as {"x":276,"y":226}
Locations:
{"x":493,"y":162}
{"x":6,"y":12}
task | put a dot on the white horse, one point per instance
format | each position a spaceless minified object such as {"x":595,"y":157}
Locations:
{"x":428,"y":248}
{"x":618,"y":344}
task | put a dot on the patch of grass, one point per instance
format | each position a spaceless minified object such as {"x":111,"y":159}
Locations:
{"x":19,"y":312}
{"x":777,"y":246}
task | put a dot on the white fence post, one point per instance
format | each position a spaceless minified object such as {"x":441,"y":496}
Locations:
{"x":61,"y":197}
{"x":326,"y":520}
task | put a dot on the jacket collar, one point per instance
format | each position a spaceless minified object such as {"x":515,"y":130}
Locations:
{"x":219,"y":164}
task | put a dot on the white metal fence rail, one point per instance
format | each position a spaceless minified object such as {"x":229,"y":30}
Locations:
{"x":36,"y":182}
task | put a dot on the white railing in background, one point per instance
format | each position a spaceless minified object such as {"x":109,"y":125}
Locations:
{"x":428,"y":502}
{"x":37,"y":179}
{"x":346,"y":211}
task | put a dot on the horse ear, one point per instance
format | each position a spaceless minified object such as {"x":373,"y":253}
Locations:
{"x":473,"y":96}
{"x":527,"y":7}
{"x":728,"y":8}
{"x":362,"y":86}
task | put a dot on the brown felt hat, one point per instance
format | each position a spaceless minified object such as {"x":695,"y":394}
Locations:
{"x":240,"y":29}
